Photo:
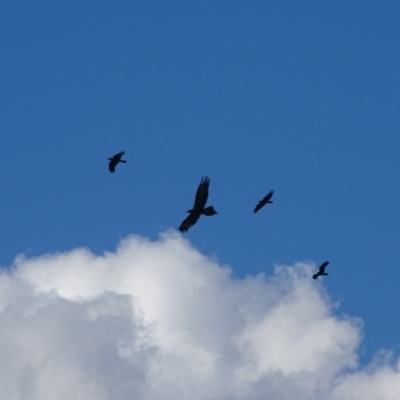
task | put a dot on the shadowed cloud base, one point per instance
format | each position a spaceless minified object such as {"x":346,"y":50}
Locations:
{"x":159,"y":320}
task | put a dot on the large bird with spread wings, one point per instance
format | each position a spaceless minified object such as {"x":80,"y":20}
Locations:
{"x":264,"y":201}
{"x":321,"y":270}
{"x":115,"y":160}
{"x":199,"y":207}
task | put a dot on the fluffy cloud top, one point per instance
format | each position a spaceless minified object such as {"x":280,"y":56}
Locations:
{"x":158,"y":320}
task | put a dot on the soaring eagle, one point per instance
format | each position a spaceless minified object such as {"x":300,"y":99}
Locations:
{"x":114,"y":160}
{"x":199,"y":206}
{"x":264,"y":201}
{"x":321,"y":270}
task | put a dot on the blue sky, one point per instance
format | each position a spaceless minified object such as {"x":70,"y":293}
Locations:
{"x":299,"y":97}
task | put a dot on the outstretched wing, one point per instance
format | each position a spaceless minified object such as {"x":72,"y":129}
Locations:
{"x":189,"y":221}
{"x":264,"y":201}
{"x":201,"y":194}
{"x":111,"y":165}
{"x":323,"y":266}
{"x":260,"y":205}
{"x":119,"y":155}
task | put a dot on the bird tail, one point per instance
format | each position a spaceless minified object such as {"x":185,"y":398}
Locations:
{"x":315,"y":276}
{"x":209,"y":211}
{"x":270,"y":201}
{"x":123,"y":161}
{"x":325,"y":273}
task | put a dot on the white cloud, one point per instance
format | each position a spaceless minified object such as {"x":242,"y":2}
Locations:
{"x":158,"y":320}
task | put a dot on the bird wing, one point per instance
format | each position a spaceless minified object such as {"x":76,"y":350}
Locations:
{"x":111,"y":165}
{"x":118,"y":155}
{"x":202,"y":194}
{"x":189,"y":221}
{"x":323,"y":266}
{"x":267,"y":198}
{"x":260,"y":205}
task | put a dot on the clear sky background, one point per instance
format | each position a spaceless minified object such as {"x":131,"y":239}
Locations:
{"x":299,"y":97}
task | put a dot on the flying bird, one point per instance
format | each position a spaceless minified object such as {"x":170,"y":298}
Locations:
{"x":114,"y":160}
{"x":264,"y":201}
{"x":199,"y":207}
{"x":321,"y":270}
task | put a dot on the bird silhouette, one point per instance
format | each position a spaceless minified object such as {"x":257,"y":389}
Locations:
{"x":114,"y":160}
{"x":264,"y":201}
{"x":321,"y":270}
{"x":199,"y":207}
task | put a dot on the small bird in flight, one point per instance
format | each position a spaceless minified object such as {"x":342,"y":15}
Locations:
{"x":199,"y":207}
{"x":321,"y":270}
{"x":114,"y":160}
{"x":264,"y":201}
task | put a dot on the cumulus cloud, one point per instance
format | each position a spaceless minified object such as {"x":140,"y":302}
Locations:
{"x":159,"y":320}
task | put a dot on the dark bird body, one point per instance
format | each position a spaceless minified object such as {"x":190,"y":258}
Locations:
{"x":321,"y":270}
{"x":114,"y":160}
{"x":264,"y":201}
{"x":199,"y":207}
